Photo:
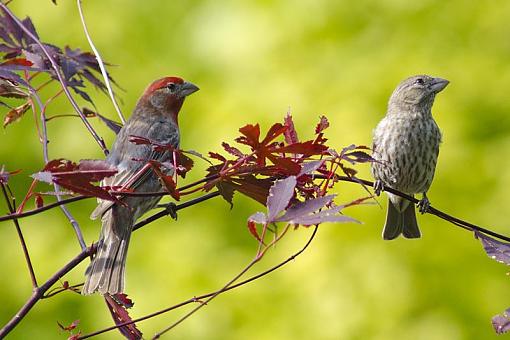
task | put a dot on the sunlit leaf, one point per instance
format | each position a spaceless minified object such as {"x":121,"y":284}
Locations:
{"x":279,"y":196}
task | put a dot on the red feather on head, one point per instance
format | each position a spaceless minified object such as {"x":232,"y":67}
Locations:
{"x":160,"y":83}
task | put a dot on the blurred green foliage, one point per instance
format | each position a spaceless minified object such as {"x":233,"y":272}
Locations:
{"x":254,"y":60}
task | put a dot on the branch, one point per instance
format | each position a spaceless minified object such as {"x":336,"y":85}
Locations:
{"x":61,"y":79}
{"x":198,"y":298}
{"x":38,"y":292}
{"x":100,"y":63}
{"x":41,"y":209}
{"x":12,"y":209}
{"x":67,"y":213}
{"x":453,"y":220}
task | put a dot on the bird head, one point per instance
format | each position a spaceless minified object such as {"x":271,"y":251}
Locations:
{"x":167,"y":95}
{"x":417,"y":92}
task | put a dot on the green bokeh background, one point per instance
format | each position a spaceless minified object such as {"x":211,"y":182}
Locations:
{"x":255,"y":60}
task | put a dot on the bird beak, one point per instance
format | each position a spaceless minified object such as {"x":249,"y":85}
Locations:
{"x":187,"y":89}
{"x":438,"y":84}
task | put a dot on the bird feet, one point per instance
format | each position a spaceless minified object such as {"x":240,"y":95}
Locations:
{"x":171,"y":209}
{"x":424,"y":204}
{"x":378,"y":187}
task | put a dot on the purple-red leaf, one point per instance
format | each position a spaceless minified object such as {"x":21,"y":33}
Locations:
{"x":113,"y":125}
{"x":196,"y":154}
{"x":167,"y":181}
{"x":279,"y":196}
{"x":226,"y":191}
{"x":4,"y":175}
{"x":288,"y":165}
{"x":329,"y":215}
{"x":251,"y":135}
{"x":275,"y":131}
{"x":35,"y":60}
{"x":13,"y":77}
{"x":39,"y":201}
{"x":78,"y":177}
{"x":305,"y":208}
{"x":258,"y":217}
{"x":309,"y":167}
{"x":358,"y":157}
{"x":70,"y":327}
{"x":252,"y":227}
{"x":11,"y":89}
{"x":95,"y":170}
{"x":290,"y":133}
{"x":120,"y":315}
{"x":253,"y":187}
{"x":501,"y":322}
{"x":497,"y":250}
{"x":123,"y":299}
{"x":232,"y":150}
{"x":17,"y":62}
{"x":322,"y":218}
{"x":307,"y":148}
{"x":322,"y":125}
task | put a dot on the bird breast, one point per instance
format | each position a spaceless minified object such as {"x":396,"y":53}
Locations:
{"x":406,"y":149}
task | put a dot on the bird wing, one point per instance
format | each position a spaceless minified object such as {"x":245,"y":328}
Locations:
{"x":130,"y":164}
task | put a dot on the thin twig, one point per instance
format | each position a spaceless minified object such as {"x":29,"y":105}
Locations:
{"x":260,"y":254}
{"x":61,"y":79}
{"x":431,"y":210}
{"x":38,"y":293}
{"x":455,"y":221}
{"x":67,"y":213}
{"x":175,"y":208}
{"x":198,"y":298}
{"x":43,"y":208}
{"x":12,"y":209}
{"x":101,"y":64}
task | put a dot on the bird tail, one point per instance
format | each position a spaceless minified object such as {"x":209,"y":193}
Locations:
{"x":401,"y":221}
{"x":105,"y":273}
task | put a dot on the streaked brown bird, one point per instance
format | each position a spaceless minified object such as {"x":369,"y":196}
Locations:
{"x":406,"y":146}
{"x":154,"y":117}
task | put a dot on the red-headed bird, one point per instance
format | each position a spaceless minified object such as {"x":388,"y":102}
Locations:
{"x":155,"y":118}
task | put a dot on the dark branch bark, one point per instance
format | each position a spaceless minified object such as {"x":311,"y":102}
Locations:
{"x":39,"y":292}
{"x":204,"y":296}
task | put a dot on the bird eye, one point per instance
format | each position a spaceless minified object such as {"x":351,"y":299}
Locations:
{"x":420,"y":81}
{"x":171,"y":87}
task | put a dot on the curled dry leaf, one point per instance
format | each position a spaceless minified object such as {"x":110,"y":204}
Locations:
{"x":111,"y":124}
{"x":15,"y":114}
{"x":10,"y":89}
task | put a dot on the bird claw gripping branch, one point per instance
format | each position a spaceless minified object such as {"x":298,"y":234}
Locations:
{"x":424,"y":204}
{"x":378,"y":187}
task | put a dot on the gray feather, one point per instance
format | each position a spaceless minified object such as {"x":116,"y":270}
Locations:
{"x":393,"y":226}
{"x":106,"y":271}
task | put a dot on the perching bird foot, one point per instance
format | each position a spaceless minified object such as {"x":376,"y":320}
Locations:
{"x":171,"y":209}
{"x":378,"y":187}
{"x":424,"y":205}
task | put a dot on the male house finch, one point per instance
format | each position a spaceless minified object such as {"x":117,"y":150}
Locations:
{"x":406,"y":145}
{"x":154,"y":117}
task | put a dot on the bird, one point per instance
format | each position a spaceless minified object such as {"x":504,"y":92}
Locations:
{"x":405,"y":151}
{"x":155,"y":117}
